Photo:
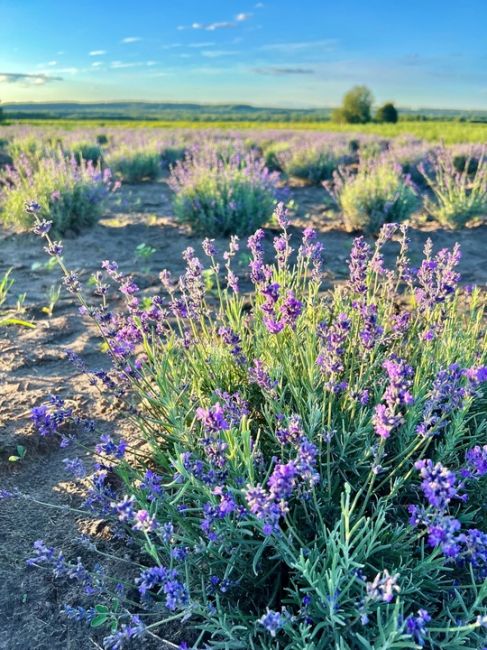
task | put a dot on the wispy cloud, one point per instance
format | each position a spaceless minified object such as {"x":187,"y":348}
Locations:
{"x":51,"y":63}
{"x":96,"y":64}
{"x":121,"y":64}
{"x":97,"y":52}
{"x":212,"y":27}
{"x":28,"y":79}
{"x":328,"y":45}
{"x":277,"y":71}
{"x":216,"y":54}
{"x":208,"y":44}
{"x":131,"y":39}
{"x":224,"y":24}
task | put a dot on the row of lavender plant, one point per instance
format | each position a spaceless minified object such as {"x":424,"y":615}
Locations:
{"x":70,"y":191}
{"x":306,"y":469}
{"x":372,"y":181}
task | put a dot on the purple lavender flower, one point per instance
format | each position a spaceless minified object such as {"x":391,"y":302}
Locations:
{"x":257,"y":270}
{"x":151,"y":483}
{"x":437,"y":278}
{"x":387,"y":415}
{"x":281,"y":214}
{"x":48,"y":418}
{"x":282,"y":481}
{"x":213,"y":418}
{"x":293,"y":433}
{"x":128,"y":631}
{"x":259,"y":375}
{"x":311,"y":251}
{"x":476,"y":459}
{"x":384,"y":587}
{"x":446,"y":396}
{"x":272,"y":621}
{"x":371,"y":331}
{"x":75,"y":466}
{"x":330,"y":359}
{"x":32,"y":207}
{"x":416,"y":625}
{"x":209,"y":247}
{"x":42,"y":227}
{"x":273,"y":326}
{"x":443,"y":531}
{"x":124,"y":508}
{"x":108,"y":446}
{"x":358,"y":264}
{"x":290,"y":309}
{"x":439,"y":484}
{"x":233,"y":405}
{"x":54,"y":248}
{"x":234,"y":341}
{"x":271,"y":294}
{"x":474,"y":552}
{"x":144,"y":522}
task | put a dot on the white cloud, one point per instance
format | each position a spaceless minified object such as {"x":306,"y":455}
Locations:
{"x":279,"y":71}
{"x":215,"y":54}
{"x":97,"y":52}
{"x":241,"y":17}
{"x":51,"y":63}
{"x":328,"y":44}
{"x":209,"y":44}
{"x":116,"y":65}
{"x":27,"y":79}
{"x":150,"y":63}
{"x":96,"y":64}
{"x":131,"y":39}
{"x":211,"y":27}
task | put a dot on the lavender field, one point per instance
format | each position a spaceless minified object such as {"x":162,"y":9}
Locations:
{"x":243,"y":390}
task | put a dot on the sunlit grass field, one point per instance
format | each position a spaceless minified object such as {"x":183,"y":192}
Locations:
{"x":438,"y":131}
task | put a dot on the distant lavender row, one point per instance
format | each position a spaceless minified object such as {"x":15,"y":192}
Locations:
{"x":371,"y":180}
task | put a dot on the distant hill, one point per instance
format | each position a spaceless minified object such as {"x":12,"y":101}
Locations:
{"x":202,"y":112}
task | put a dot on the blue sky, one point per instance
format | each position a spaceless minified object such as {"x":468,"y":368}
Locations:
{"x":276,"y":52}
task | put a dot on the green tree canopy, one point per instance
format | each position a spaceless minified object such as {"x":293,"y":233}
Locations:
{"x":387,"y":113}
{"x":356,"y":106}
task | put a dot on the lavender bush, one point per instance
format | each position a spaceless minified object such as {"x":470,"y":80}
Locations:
{"x":223,"y":194}
{"x":272,"y":152}
{"x":306,"y":471}
{"x":71,"y":194}
{"x":87,"y":152}
{"x":312,"y":162}
{"x":135,"y":165}
{"x":379,"y":193}
{"x":458,"y":195}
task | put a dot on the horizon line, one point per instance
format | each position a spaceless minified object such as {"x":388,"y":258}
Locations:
{"x":223,"y":103}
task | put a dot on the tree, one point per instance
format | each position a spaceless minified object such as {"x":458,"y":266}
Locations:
{"x":356,"y":106}
{"x":387,"y":113}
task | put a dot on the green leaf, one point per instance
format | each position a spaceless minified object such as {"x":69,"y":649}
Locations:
{"x":101,"y":609}
{"x":99,"y":620}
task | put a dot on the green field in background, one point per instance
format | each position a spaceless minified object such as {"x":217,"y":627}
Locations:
{"x":434,"y":131}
